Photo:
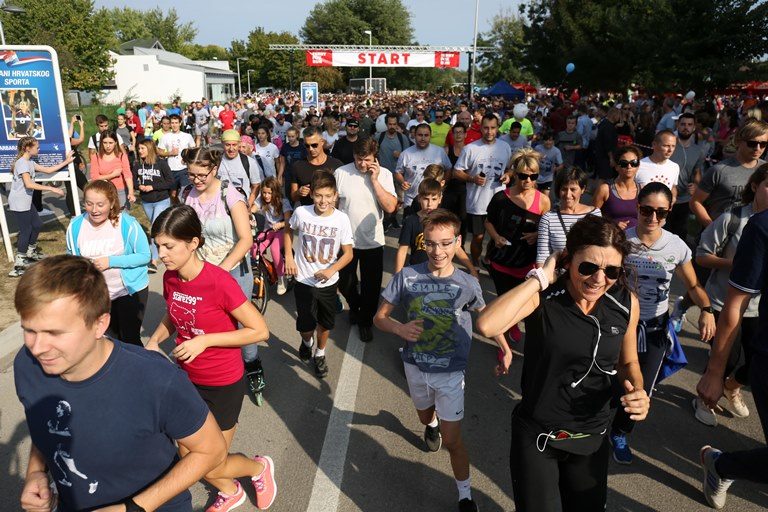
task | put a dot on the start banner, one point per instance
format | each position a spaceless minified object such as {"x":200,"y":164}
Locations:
{"x":382,"y":59}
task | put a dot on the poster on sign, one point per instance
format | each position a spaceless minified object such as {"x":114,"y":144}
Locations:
{"x":383,"y":59}
{"x":309,"y":95}
{"x":32,"y":103}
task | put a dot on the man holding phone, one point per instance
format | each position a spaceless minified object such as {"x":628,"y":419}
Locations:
{"x":366,"y":192}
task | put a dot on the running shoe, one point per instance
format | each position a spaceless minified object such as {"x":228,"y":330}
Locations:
{"x":736,"y":403}
{"x":305,"y":352}
{"x":703,"y":413}
{"x":34,"y":253}
{"x":321,"y":367}
{"x":20,"y":264}
{"x":432,"y":438}
{"x":467,"y":505}
{"x":678,"y":315}
{"x":281,"y":288}
{"x":514,"y":334}
{"x":366,"y":333}
{"x":715,"y":487}
{"x":622,"y":454}
{"x":225,"y":502}
{"x":254,"y":374}
{"x":264,"y":484}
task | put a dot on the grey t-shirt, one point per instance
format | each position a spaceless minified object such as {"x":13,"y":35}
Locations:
{"x":444,"y":305}
{"x":201,"y":116}
{"x":519,"y":143}
{"x":724,"y":183}
{"x":232,"y":170}
{"x":652,"y":269}
{"x":20,"y":197}
{"x":688,"y":159}
{"x":712,"y":239}
{"x":388,"y":146}
{"x":412,"y":163}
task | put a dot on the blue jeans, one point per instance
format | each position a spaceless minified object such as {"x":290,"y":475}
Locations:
{"x":153,"y":210}
{"x":244,"y":277}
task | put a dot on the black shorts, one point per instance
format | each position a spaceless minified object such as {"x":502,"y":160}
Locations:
{"x":314,"y":306}
{"x":224,"y":402}
{"x":476,"y":223}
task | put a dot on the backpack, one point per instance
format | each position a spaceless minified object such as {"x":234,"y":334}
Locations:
{"x":403,"y":144}
{"x":247,"y":166}
{"x":730,"y":230}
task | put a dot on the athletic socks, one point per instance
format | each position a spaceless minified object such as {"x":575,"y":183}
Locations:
{"x":465,"y":490}
{"x":320,"y":352}
{"x":434,"y":423}
{"x":309,"y":342}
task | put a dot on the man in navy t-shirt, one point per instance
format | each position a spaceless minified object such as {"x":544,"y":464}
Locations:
{"x":102,"y":415}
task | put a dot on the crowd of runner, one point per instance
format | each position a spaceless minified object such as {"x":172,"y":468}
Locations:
{"x":580,"y":210}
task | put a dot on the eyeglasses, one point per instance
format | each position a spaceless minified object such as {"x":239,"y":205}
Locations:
{"x":199,"y":177}
{"x":431,"y":245}
{"x":314,"y":145}
{"x":629,"y":163}
{"x":587,"y":268}
{"x":752,"y":144}
{"x":523,"y":176}
{"x":647,"y":211}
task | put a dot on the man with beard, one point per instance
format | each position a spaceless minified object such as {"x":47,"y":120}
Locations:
{"x":689,"y":156}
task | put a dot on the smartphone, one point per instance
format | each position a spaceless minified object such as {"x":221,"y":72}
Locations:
{"x":78,"y":117}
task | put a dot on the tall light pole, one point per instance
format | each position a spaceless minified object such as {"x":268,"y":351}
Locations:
{"x":474,"y":55}
{"x":370,"y":68}
{"x":248,"y":74}
{"x":239,"y":87}
{"x":10,"y":9}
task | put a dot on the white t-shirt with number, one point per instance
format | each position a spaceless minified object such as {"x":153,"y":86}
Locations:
{"x":317,"y":242}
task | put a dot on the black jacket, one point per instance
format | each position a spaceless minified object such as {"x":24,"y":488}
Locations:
{"x":158,"y":175}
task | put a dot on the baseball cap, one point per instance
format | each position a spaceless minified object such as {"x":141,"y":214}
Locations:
{"x":230,"y":136}
{"x":353,"y":122}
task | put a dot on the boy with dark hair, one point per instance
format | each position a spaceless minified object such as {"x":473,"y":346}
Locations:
{"x":322,"y":232}
{"x":569,"y":141}
{"x":437,"y":300}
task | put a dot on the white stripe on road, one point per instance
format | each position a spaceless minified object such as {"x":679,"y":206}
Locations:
{"x":330,"y":468}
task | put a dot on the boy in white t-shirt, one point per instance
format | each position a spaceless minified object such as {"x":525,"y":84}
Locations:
{"x":658,"y":166}
{"x":321,"y":231}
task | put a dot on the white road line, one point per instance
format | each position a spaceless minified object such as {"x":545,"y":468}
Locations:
{"x":330,"y":469}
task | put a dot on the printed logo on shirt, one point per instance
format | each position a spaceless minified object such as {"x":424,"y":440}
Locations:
{"x":65,"y":470}
{"x":318,"y":242}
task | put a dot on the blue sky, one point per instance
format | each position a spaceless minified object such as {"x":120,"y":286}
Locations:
{"x":228,"y":20}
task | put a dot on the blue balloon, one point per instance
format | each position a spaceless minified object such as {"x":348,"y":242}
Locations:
{"x":570,"y":67}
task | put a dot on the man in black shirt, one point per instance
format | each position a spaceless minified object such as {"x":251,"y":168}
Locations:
{"x":342,"y":150}
{"x":302,"y":171}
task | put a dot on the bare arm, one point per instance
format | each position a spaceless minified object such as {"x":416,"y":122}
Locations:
{"x":601,"y":196}
{"x":706,"y":320}
{"x":37,"y":495}
{"x":400,"y":257}
{"x":697,"y":207}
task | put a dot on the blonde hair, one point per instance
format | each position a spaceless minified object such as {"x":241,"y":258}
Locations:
{"x":434,"y":171}
{"x":151,"y":151}
{"x":526,"y":159}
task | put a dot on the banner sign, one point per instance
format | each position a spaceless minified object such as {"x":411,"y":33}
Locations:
{"x":383,"y":59}
{"x":309,"y":95}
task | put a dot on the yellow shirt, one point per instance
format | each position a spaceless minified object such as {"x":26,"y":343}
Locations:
{"x":439,"y":133}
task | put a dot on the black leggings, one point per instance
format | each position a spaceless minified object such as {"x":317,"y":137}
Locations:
{"x":126,"y":316}
{"x":555,"y":480}
{"x":29,"y":225}
{"x":364,"y":302}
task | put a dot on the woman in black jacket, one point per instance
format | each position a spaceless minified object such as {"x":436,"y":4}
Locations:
{"x":154,"y":180}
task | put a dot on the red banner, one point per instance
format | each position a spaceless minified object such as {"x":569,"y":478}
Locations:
{"x":389,"y":59}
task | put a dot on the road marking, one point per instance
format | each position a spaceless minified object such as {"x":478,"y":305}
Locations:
{"x":330,"y":469}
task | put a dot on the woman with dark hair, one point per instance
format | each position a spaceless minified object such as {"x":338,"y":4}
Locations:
{"x":111,"y":163}
{"x":656,"y":255}
{"x":582,"y":332}
{"x":618,"y":200}
{"x":716,"y":251}
{"x":204,"y":306}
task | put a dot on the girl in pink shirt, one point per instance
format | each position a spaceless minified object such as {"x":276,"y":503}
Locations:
{"x":111,"y":163}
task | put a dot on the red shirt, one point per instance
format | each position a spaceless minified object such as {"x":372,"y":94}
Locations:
{"x":227,"y":118}
{"x":203,"y":306}
{"x":473,"y":134}
{"x":135,"y":123}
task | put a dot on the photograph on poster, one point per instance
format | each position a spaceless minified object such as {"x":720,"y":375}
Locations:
{"x":21,"y":113}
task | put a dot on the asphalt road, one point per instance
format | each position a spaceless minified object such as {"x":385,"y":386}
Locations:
{"x":353,"y":441}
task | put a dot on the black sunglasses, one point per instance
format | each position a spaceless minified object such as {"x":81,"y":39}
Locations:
{"x":629,"y":163}
{"x":314,"y":145}
{"x":523,"y":176}
{"x":752,"y":144}
{"x":647,"y":211}
{"x":587,"y":268}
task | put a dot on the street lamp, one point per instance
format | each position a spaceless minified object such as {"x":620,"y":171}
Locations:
{"x":248,"y":74}
{"x":10,"y":9}
{"x":370,"y":68}
{"x":239,"y":86}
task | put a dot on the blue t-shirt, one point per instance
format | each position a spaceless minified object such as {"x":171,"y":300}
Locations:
{"x":750,"y":272}
{"x":444,"y":304}
{"x":110,"y":436}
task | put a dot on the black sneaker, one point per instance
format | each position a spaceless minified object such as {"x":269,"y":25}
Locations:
{"x":366,"y":333}
{"x":305,"y":352}
{"x":152,"y":268}
{"x":432,"y":438}
{"x":321,"y":368}
{"x":254,"y":374}
{"x":17,"y":271}
{"x":467,"y":505}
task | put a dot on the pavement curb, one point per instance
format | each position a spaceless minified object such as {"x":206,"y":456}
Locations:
{"x":10,"y":342}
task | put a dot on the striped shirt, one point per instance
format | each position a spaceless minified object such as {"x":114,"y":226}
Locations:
{"x":551,"y":236}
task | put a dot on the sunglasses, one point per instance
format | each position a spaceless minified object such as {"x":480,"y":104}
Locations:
{"x":523,"y":176}
{"x":314,"y":145}
{"x":587,"y":268}
{"x":647,"y":211}
{"x":752,"y":144}
{"x":629,"y":163}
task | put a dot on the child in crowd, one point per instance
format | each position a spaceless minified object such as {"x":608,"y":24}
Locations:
{"x":322,"y":232}
{"x":551,"y":162}
{"x":276,"y":211}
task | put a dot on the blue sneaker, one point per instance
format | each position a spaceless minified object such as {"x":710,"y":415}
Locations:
{"x":621,"y":451}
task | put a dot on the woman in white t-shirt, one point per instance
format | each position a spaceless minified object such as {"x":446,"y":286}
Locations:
{"x":276,"y":211}
{"x":330,"y":134}
{"x":268,"y":152}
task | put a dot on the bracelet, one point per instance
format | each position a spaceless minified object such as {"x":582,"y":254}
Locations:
{"x":132,"y":506}
{"x":540,"y":276}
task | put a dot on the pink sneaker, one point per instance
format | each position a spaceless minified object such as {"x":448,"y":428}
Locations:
{"x":264,"y":484}
{"x":514,"y":334}
{"x":226,"y":502}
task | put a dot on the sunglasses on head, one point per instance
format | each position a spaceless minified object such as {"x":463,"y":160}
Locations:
{"x":629,"y":163}
{"x":523,"y":176}
{"x":314,"y":145}
{"x":752,"y":144}
{"x":647,"y":211}
{"x":587,"y":268}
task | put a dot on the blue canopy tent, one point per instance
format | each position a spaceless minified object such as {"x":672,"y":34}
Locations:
{"x":504,"y":89}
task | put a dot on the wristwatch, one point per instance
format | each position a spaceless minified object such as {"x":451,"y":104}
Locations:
{"x":708,"y":309}
{"x":131,"y":506}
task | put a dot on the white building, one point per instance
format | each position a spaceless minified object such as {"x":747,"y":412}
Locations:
{"x":144,"y":71}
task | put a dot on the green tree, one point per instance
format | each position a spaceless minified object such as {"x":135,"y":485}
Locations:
{"x":128,"y":23}
{"x":206,"y":52}
{"x":270,"y":68}
{"x":71,"y":27}
{"x":508,"y":38}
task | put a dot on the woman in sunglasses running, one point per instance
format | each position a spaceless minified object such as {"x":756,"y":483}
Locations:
{"x":581,"y":331}
{"x":618,"y":200}
{"x":657,"y":254}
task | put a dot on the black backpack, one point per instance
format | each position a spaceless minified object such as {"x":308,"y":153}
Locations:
{"x":247,"y":165}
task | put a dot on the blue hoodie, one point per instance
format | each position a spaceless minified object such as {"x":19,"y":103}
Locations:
{"x":133,"y":264}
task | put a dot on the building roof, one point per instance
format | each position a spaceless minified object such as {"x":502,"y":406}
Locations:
{"x":127,"y":48}
{"x":153,"y":47}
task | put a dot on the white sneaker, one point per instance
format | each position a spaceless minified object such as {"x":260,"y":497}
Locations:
{"x":281,"y":288}
{"x":45,"y":212}
{"x":736,"y":403}
{"x":703,"y":413}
